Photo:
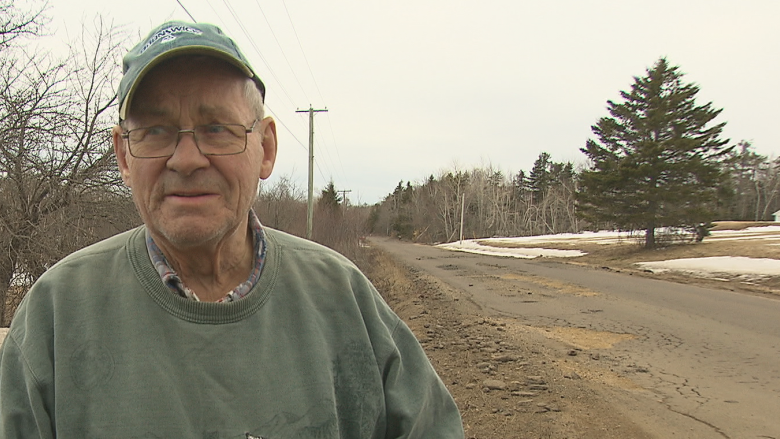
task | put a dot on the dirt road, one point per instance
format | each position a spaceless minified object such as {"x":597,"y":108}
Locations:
{"x":675,"y":360}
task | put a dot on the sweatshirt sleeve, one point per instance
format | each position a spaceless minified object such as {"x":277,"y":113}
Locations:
{"x":417,"y":402}
{"x":23,"y":410}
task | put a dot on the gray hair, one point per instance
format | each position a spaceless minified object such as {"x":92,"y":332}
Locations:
{"x":254,"y":99}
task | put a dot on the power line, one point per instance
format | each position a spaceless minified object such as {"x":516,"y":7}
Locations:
{"x":326,"y":150}
{"x":303,"y":52}
{"x":250,"y":39}
{"x":235,"y":17}
{"x":187,"y":12}
{"x":219,"y":17}
{"x":279,"y":120}
{"x":238,"y":21}
{"x":254,"y":45}
{"x":268,"y":66}
{"x":300,"y":85}
{"x":292,"y":70}
{"x":288,"y":130}
{"x":338,"y":155}
{"x":316,"y":85}
{"x":270,"y":70}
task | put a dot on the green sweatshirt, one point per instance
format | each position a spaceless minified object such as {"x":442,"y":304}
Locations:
{"x":100,"y":348}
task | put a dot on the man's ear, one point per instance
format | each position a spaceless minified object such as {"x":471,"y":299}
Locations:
{"x":268,"y":130}
{"x":120,"y":149}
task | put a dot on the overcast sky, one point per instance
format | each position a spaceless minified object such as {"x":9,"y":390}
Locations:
{"x":414,"y":87}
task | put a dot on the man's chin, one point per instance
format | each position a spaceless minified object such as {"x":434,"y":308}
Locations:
{"x":190,"y":234}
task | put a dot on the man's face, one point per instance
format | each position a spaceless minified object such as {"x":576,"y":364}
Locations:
{"x":190,"y":200}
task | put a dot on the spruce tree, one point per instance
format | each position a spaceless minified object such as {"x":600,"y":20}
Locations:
{"x":539,"y":178}
{"x":655,"y":162}
{"x":329,"y":197}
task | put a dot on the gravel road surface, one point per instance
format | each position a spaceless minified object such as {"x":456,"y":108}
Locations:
{"x":685,"y":361}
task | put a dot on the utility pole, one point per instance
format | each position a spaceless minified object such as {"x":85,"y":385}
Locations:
{"x":344,"y":195}
{"x":310,"y":210}
{"x":462,"y":212}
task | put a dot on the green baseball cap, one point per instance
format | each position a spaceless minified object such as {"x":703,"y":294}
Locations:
{"x":176,"y":38}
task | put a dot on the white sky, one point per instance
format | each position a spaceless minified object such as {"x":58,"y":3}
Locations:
{"x":416,"y":86}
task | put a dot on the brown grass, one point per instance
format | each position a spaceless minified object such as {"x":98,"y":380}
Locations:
{"x":624,"y":255}
{"x":741,"y":225}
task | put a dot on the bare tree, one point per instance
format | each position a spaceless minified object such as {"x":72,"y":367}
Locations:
{"x":495,"y":204}
{"x":755,"y":180}
{"x":282,"y":206}
{"x":58,"y":181}
{"x":16,"y":24}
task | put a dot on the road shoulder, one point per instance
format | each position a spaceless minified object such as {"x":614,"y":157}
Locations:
{"x":505,"y":385}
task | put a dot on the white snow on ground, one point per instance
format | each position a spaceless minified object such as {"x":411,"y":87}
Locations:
{"x":473,"y":246}
{"x":715,"y":265}
{"x":708,"y":267}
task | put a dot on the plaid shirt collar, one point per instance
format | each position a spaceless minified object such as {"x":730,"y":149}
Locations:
{"x":174,"y":282}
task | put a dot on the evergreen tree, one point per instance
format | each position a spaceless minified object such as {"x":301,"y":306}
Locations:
{"x":520,"y":184}
{"x":539,"y":178}
{"x":329,"y":197}
{"x":655,"y":163}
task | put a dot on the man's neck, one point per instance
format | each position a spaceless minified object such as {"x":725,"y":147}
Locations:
{"x":211,"y":271}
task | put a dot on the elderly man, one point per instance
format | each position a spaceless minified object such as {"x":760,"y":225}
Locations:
{"x":202,"y":323}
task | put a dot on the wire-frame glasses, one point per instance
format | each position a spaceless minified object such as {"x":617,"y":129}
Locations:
{"x":211,"y":139}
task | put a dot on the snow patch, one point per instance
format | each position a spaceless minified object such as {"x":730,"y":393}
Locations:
{"x":473,"y":246}
{"x":712,"y":267}
{"x":717,"y":265}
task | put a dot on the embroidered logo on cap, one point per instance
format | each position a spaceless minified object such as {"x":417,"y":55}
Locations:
{"x":169,"y":34}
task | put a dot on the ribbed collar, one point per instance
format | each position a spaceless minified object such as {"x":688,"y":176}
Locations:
{"x":201,"y":312}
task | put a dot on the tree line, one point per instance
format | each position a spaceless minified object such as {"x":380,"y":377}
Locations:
{"x":657,"y":162}
{"x":492,"y":203}
{"x":337,"y":224}
{"x":544,"y":200}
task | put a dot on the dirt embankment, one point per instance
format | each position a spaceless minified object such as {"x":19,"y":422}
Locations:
{"x":509,"y":382}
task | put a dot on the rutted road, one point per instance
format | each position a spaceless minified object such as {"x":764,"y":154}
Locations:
{"x":710,"y":359}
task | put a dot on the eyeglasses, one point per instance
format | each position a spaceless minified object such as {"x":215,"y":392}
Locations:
{"x":161,"y":140}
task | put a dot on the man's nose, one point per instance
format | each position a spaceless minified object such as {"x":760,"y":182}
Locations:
{"x":187,"y":156}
